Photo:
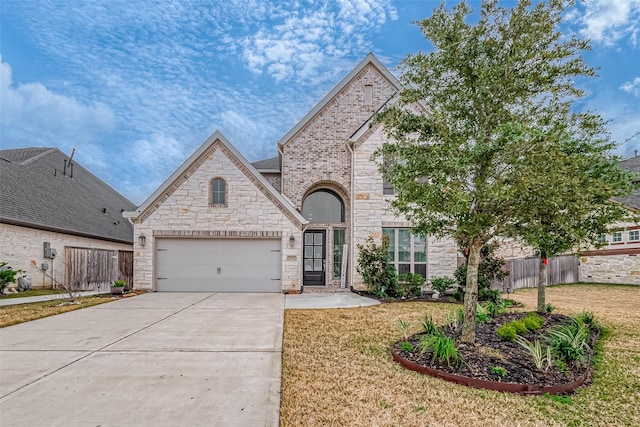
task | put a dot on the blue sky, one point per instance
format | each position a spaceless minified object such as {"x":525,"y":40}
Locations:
{"x":137,"y":86}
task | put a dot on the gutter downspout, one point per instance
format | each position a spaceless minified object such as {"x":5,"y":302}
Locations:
{"x":351,"y":216}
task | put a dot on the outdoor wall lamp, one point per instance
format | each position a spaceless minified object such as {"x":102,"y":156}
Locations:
{"x":292,"y":241}
{"x":142,"y":239}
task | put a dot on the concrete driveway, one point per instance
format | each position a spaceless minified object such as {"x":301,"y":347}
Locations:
{"x":161,"y":359}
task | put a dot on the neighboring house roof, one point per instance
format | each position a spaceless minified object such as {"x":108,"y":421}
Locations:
{"x":369,"y":59}
{"x":35,"y":193}
{"x":268,"y":165}
{"x":167,"y":187}
{"x":633,"y":199}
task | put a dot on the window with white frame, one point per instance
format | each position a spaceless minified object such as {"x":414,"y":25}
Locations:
{"x":407,"y":252}
{"x":616,"y":237}
{"x":634,"y":235}
{"x":218,"y":192}
{"x":602,"y":238}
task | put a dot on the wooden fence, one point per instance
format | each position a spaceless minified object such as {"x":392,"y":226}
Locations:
{"x":88,"y":269}
{"x":523,"y":272}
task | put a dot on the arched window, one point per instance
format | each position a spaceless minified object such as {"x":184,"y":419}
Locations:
{"x":218,"y":192}
{"x":323,"y":206}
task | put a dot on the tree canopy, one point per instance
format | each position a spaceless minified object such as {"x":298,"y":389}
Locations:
{"x":484,"y":122}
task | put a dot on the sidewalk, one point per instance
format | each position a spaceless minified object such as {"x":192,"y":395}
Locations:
{"x":60,"y":296}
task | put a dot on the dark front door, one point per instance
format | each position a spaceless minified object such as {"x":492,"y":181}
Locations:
{"x":314,"y":257}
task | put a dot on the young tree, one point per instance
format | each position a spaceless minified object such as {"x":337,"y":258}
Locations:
{"x":466,"y":123}
{"x":570,"y":181}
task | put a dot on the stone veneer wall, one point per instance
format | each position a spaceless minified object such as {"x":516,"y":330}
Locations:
{"x":20,"y":245}
{"x":623,"y":269}
{"x":248,"y":211}
{"x":371,"y":212}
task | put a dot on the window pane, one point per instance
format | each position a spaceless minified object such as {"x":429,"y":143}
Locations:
{"x":404,"y":245}
{"x":634,"y":235}
{"x":218,"y":192}
{"x":308,"y":265}
{"x":404,"y":268}
{"x":308,"y":251}
{"x":419,"y":249}
{"x":391,"y":232}
{"x":323,"y":207}
{"x":338,"y":241}
{"x":617,"y":236}
{"x":317,"y":251}
{"x":308,"y":239}
{"x":317,"y":265}
{"x":420,"y":269}
{"x":317,"y":238}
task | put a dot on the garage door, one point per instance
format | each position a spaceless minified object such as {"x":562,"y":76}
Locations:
{"x":218,"y":265}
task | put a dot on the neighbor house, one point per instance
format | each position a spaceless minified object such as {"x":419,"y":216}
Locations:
{"x":221,"y":223}
{"x":619,"y":260}
{"x":60,"y":223}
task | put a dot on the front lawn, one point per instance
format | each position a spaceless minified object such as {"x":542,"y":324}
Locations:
{"x":337,"y":369}
{"x":14,"y":314}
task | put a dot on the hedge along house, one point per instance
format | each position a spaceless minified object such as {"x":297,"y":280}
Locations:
{"x":291,"y":222}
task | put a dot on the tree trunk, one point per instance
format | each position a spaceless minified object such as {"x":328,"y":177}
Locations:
{"x":542,"y":283}
{"x":471,"y":293}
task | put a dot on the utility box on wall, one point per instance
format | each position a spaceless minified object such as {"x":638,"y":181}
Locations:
{"x":48,"y":252}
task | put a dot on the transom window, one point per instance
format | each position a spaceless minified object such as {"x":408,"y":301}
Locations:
{"x":218,"y":192}
{"x":634,"y":235}
{"x":408,"y":252}
{"x":323,"y":206}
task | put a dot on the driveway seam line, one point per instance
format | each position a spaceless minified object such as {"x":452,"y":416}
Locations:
{"x":92,"y":352}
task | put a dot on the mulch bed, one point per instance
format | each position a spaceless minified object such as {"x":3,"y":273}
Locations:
{"x":490,"y":351}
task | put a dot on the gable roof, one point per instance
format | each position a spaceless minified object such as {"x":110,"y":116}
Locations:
{"x":189,"y":166}
{"x":632,"y":200}
{"x":35,"y":193}
{"x":370,"y":59}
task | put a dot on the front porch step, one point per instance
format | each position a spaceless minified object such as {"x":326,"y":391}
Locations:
{"x":324,"y":290}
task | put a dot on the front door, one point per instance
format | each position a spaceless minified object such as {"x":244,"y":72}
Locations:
{"x":314,"y":258}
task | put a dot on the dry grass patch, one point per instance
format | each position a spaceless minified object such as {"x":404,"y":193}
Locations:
{"x":14,"y":314}
{"x":337,"y":370}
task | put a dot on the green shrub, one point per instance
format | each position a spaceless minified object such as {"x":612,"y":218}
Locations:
{"x":499,"y":371}
{"x":549,"y":308}
{"x":588,"y":319}
{"x":441,"y":284}
{"x":506,"y":332}
{"x":376,"y":270}
{"x":481,"y":314}
{"x":8,"y":275}
{"x":404,"y":328}
{"x":533,"y":322}
{"x":410,"y":285}
{"x":570,"y":342}
{"x":494,"y":308}
{"x":458,"y":295}
{"x":443,"y":348}
{"x":536,"y":317}
{"x":519,"y":326}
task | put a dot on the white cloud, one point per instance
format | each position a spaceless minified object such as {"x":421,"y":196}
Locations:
{"x":632,"y":87}
{"x":608,"y":21}
{"x":308,"y":37}
{"x":31,"y":112}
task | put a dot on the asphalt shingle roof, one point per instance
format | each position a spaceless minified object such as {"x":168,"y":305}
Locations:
{"x":633,"y":200}
{"x":272,"y":163}
{"x":35,"y":193}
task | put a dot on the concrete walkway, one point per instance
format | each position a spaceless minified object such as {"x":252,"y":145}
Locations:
{"x":327,"y":300}
{"x":158,"y":359}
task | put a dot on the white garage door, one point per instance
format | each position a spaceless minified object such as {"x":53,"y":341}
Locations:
{"x":218,"y":265}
